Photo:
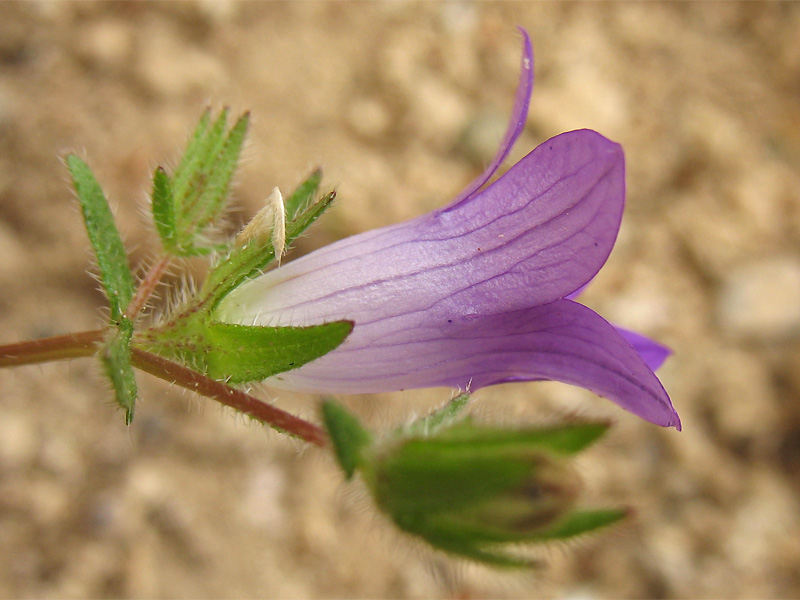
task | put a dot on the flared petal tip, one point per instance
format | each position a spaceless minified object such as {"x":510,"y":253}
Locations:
{"x":676,"y":421}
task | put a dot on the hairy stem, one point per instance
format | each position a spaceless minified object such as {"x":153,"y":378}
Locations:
{"x":229,"y":396}
{"x":61,"y":347}
{"x":147,"y":287}
{"x":77,"y":345}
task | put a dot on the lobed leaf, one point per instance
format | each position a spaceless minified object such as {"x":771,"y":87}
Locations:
{"x":115,"y":273}
{"x":204,"y":201}
{"x":186,"y":206}
{"x":193,"y":157}
{"x":163,"y":206}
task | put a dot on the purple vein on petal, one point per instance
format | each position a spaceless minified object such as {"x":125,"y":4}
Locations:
{"x":534,"y":237}
{"x":479,"y":292}
{"x":563,"y":341}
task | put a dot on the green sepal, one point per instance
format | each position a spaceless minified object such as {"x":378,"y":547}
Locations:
{"x":470,"y":544}
{"x":199,"y":186}
{"x":115,"y":273}
{"x":564,"y":439}
{"x":486,"y":555}
{"x":248,"y":261}
{"x":116,"y":359}
{"x":475,"y":491}
{"x":243,"y":353}
{"x":580,"y":522}
{"x":562,"y":526}
{"x":307,"y":211}
{"x":465,"y":452}
{"x":302,"y":198}
{"x":348,"y":436}
{"x":442,"y":417}
{"x":423,"y":475}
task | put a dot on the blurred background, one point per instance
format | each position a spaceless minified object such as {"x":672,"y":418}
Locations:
{"x":402,"y":104}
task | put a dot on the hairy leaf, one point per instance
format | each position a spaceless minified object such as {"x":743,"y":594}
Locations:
{"x":115,"y":273}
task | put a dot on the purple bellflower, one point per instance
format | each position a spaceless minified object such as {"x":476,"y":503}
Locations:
{"x":479,"y":292}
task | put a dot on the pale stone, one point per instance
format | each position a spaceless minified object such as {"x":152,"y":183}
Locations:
{"x":762,"y":300}
{"x":368,"y":117}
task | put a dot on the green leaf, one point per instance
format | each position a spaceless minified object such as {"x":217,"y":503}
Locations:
{"x":205,"y":201}
{"x":115,"y":273}
{"x":116,"y":359}
{"x":164,"y":209}
{"x":348,"y":436}
{"x":193,"y":157}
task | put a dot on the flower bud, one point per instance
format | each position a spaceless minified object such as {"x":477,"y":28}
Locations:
{"x":462,"y":494}
{"x":269,"y":223}
{"x":470,"y":489}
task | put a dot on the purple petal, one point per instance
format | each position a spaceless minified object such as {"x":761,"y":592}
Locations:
{"x":519,"y":115}
{"x":574,"y":295}
{"x":562,"y":341}
{"x":652,"y":353}
{"x":536,"y":234}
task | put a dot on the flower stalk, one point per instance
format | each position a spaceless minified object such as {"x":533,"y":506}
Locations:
{"x":87,"y":343}
{"x":61,"y":347}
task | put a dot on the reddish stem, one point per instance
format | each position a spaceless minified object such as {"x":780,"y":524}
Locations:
{"x":60,"y":347}
{"x":223,"y":393}
{"x":75,"y":345}
{"x":147,"y":287}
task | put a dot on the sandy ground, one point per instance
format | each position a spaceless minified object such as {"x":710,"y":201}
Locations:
{"x":402,"y":104}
